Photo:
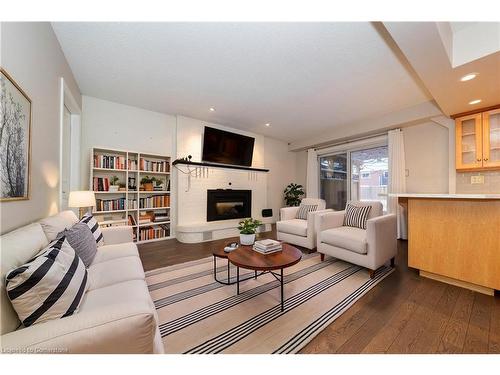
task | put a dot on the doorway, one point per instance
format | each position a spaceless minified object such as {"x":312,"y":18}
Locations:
{"x":70,"y":135}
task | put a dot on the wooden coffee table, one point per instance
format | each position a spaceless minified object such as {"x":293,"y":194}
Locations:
{"x":221,"y":254}
{"x":246,"y":257}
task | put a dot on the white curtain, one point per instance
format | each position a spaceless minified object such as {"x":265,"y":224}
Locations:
{"x":397,"y":178}
{"x":312,"y":188}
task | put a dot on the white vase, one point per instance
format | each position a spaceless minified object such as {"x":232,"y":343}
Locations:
{"x":113,"y":187}
{"x":247,"y":239}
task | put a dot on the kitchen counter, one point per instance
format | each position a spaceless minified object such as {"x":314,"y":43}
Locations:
{"x":455,"y":238}
{"x":446,"y":196}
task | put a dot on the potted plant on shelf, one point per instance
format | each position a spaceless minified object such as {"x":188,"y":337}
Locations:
{"x":147,"y":182}
{"x":247,"y":229}
{"x":113,"y":183}
{"x":293,"y":194}
{"x":158,"y":184}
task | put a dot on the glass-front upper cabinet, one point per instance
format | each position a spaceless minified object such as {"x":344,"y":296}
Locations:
{"x":491,"y":138}
{"x":469,"y":139}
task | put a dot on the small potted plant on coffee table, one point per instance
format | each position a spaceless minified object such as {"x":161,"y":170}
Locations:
{"x":247,"y":229}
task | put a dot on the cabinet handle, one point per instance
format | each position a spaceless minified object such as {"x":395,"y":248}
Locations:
{"x":485,"y":159}
{"x":479,"y":159}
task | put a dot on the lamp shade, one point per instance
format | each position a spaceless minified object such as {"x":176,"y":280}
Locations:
{"x":82,"y":198}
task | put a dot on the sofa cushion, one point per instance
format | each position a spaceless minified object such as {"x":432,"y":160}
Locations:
{"x":93,"y":225}
{"x":110,"y":252}
{"x":293,"y":226}
{"x":17,"y":247}
{"x":51,"y":286}
{"x":53,"y":225}
{"x":134,"y":292}
{"x":115,"y":271}
{"x":82,"y":241}
{"x":349,"y":238}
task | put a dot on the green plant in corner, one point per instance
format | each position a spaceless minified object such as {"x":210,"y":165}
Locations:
{"x":249,"y":226}
{"x":293,"y":194}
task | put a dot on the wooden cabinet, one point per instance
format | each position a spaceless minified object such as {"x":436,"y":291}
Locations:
{"x":478,"y":141}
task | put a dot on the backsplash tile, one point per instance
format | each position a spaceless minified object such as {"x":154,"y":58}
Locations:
{"x":491,"y":183}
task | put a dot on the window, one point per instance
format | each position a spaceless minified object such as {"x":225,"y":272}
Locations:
{"x":358,"y":174}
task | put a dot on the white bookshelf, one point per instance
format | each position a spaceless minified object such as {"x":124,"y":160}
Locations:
{"x":126,"y":171}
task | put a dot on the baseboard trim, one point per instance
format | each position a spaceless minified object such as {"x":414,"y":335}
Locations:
{"x":460,"y":283}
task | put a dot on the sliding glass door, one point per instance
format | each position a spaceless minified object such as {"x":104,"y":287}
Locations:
{"x":358,"y":174}
{"x":333,"y":180}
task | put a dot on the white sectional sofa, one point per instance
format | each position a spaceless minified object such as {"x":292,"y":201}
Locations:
{"x":116,"y":315}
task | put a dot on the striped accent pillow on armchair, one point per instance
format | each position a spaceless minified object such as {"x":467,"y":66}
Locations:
{"x":356,"y":216}
{"x":304,"y":209}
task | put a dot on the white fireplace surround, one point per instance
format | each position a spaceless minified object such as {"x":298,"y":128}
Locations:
{"x":192,"y":225}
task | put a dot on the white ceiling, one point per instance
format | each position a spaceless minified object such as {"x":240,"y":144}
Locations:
{"x":303,"y":78}
{"x":422,"y":44}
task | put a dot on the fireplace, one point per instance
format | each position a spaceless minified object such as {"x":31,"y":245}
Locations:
{"x":228,"y":204}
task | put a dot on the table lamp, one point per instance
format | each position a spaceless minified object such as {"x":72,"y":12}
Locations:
{"x":83,"y":199}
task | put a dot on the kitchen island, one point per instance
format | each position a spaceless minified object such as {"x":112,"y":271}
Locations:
{"x":455,"y":238}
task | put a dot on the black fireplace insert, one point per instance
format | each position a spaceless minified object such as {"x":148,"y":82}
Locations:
{"x":226,"y":204}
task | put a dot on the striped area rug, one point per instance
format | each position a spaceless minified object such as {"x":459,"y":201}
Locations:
{"x":199,"y":315}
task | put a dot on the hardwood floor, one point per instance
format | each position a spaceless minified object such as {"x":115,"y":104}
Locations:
{"x":404,"y":313}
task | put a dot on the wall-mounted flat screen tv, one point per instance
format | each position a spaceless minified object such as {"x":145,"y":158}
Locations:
{"x":224,"y":147}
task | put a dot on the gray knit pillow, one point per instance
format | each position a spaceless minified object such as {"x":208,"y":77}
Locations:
{"x":82,"y":240}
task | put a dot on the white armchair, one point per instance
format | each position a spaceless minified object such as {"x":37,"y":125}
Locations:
{"x":370,"y":248}
{"x":298,"y":231}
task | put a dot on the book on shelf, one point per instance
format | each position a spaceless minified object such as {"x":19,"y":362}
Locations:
{"x":154,"y":165}
{"x":155,"y":201}
{"x":152,"y":233}
{"x":132,"y":165}
{"x":109,"y":161}
{"x":131,"y":220}
{"x":110,"y":204}
{"x":101,"y":184}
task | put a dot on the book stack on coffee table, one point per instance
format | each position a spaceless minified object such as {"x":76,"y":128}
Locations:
{"x":267,"y":246}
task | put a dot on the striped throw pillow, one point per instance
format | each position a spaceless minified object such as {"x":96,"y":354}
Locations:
{"x":304,"y":209}
{"x":50,"y":286}
{"x":356,"y":216}
{"x":94,"y":228}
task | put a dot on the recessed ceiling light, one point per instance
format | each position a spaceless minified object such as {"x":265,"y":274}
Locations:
{"x":468,"y":77}
{"x":212,"y":109}
{"x":268,"y":124}
{"x":475,"y":101}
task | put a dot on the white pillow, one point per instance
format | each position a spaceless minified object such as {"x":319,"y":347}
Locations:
{"x":50,"y":286}
{"x":55,"y":224}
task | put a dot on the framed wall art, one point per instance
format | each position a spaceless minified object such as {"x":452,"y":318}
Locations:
{"x":15,"y":140}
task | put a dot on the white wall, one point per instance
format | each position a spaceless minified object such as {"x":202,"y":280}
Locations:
{"x":426,"y":149}
{"x":282,"y":165}
{"x":112,"y":125}
{"x":31,"y":55}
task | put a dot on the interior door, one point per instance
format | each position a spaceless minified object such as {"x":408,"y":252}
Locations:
{"x":491,"y":138}
{"x":66,"y":159}
{"x":469,"y":140}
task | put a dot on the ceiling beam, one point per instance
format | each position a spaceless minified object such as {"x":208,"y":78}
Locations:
{"x":419,"y":113}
